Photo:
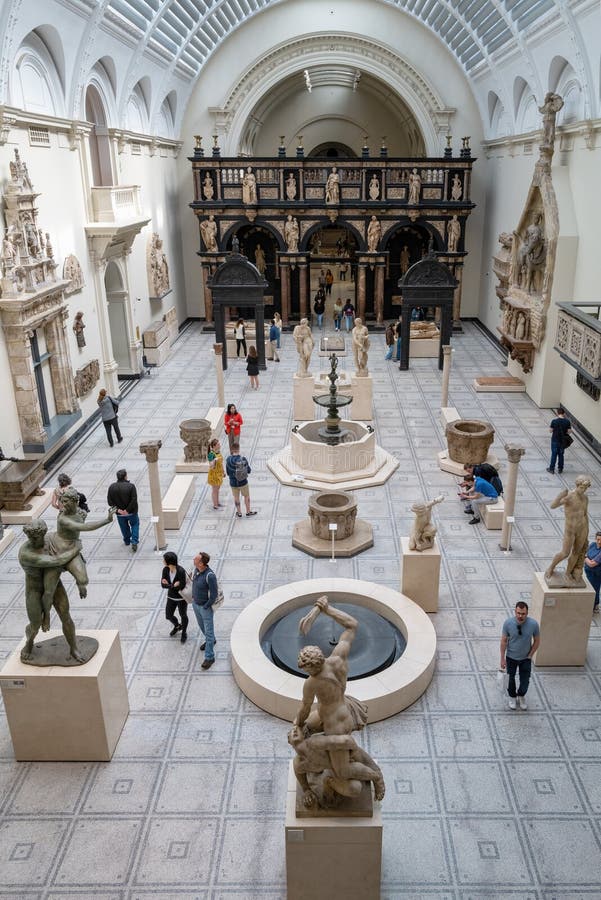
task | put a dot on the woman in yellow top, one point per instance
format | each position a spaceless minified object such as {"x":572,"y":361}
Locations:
{"x":215,"y":476}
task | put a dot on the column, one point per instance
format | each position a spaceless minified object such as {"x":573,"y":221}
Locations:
{"x":109,"y":364}
{"x":446,"y":374}
{"x":60,"y":364}
{"x":26,"y":395}
{"x":379,"y":294}
{"x":361,"y":291}
{"x":303,"y":283}
{"x":405,"y":336}
{"x":208,"y":297}
{"x":260,"y":333}
{"x":457,"y":298}
{"x":150,"y":449}
{"x":220,"y":333}
{"x":218,"y":348}
{"x":285,"y":289}
{"x":514,"y":454}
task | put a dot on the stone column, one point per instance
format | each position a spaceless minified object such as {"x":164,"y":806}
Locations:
{"x":60,"y":364}
{"x":379,"y":294}
{"x":514,"y":454}
{"x":361,"y":291}
{"x":446,"y":374}
{"x":303,"y":283}
{"x":457,"y":299}
{"x":150,"y":449}
{"x":208,"y":297}
{"x":26,"y":395}
{"x":285,"y":281}
{"x":218,"y":348}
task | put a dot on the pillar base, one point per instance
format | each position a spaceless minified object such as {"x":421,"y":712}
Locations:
{"x":361,"y":539}
{"x":564,"y":616}
{"x":420,"y":575}
{"x":362,"y":405}
{"x":303,"y":389}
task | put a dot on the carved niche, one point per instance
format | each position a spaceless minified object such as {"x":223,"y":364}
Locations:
{"x":86,"y":377}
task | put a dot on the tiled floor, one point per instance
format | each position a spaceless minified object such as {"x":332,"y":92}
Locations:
{"x":480,"y":802}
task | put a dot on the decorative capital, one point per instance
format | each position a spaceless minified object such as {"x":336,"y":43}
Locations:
{"x":514,"y":453}
{"x":447,"y":349}
{"x":150,"y":449}
{"x":218,"y":349}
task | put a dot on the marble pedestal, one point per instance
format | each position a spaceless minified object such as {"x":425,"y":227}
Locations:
{"x":564,"y":616}
{"x":449,"y":465}
{"x":361,"y":539}
{"x":7,"y":539}
{"x":67,"y":714}
{"x":38,"y":503}
{"x":362,"y":405}
{"x":334,"y":857}
{"x":176,"y":501}
{"x":420,"y":575}
{"x":191,"y":468}
{"x":448,"y":414}
{"x":424,"y":348}
{"x":302,"y":398}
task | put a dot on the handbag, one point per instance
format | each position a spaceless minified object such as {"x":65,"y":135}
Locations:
{"x":220,"y":599}
{"x":568,"y":440}
{"x":115,"y":406}
{"x":186,"y":592}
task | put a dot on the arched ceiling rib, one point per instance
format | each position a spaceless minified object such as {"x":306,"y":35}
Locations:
{"x":186,"y":32}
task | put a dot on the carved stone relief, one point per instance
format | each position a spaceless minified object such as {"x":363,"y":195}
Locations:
{"x":157,"y":267}
{"x":73,"y":274}
{"x":86,"y":377}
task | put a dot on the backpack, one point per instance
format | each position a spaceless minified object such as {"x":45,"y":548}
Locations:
{"x":82,"y":502}
{"x":241,"y":470}
{"x":497,"y":484}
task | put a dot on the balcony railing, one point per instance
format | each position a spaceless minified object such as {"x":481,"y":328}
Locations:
{"x":117,"y":203}
{"x":578,"y":340}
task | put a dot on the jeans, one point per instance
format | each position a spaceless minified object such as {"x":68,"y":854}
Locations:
{"x":349,"y":322}
{"x":112,"y":423}
{"x":130,"y":528}
{"x":556,"y":454}
{"x":594,"y":576}
{"x":279,"y":337}
{"x":319,"y":320}
{"x":524,"y":666}
{"x":398,"y":348}
{"x":389,"y":352}
{"x":337,"y":322}
{"x":204,"y":617}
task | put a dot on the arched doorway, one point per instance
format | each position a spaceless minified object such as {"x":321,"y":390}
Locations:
{"x":406,"y":245}
{"x":333,"y":247}
{"x":260,"y":246}
{"x":100,"y":151}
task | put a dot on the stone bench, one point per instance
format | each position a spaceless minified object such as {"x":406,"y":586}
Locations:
{"x":216,"y":416}
{"x":492,"y":515}
{"x":177,"y":500}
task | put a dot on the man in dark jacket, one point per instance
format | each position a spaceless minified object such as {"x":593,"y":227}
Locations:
{"x":122,"y":494}
{"x":204,"y":594}
{"x":559,"y":428}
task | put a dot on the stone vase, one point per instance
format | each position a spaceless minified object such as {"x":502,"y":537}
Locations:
{"x":335,"y":507}
{"x":468,"y":440}
{"x":196,"y":434}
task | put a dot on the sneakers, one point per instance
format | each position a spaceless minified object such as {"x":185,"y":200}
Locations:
{"x":174,"y":630}
{"x":512,"y":703}
{"x":522,"y":703}
{"x":239,"y":515}
{"x":551,"y":471}
{"x":207,"y":664}
{"x":134,"y":548}
{"x":468,"y":510}
{"x":252,"y":513}
{"x":473,"y":521}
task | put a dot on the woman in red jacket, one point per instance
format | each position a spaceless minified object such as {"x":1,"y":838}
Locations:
{"x":232,"y":422}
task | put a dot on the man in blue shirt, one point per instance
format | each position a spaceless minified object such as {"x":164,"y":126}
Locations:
{"x":592,"y":567}
{"x":519,"y":642}
{"x":204,"y":594}
{"x":559,"y":429}
{"x":274,"y":333}
{"x":482,"y":494}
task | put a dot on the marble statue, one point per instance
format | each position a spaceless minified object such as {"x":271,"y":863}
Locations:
{"x":332,"y":195}
{"x":454,"y":233}
{"x":532,"y":255}
{"x":207,"y":187}
{"x":423,"y":531}
{"x":360,"y":338}
{"x":249,"y":187}
{"x":415,"y":186}
{"x":374,"y":233}
{"x":159,"y":269}
{"x":78,"y":329}
{"x":456,"y":188}
{"x":575,"y":535}
{"x":9,"y":251}
{"x":304,"y":347}
{"x":553,"y":103}
{"x":260,"y":262}
{"x":291,"y":234}
{"x":208,"y":230}
{"x":291,"y":187}
{"x":329,"y":764}
{"x":520,"y":327}
{"x":374,"y":188}
{"x":405,"y":259}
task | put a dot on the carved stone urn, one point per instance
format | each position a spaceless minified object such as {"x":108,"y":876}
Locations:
{"x":468,"y":440}
{"x":335,"y":507}
{"x":196,"y":434}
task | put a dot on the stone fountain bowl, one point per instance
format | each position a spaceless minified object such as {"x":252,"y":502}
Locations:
{"x":354,"y":455}
{"x":332,"y":507}
{"x":468,"y":440}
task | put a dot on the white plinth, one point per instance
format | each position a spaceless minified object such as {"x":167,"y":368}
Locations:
{"x":58,"y":713}
{"x":302,"y":398}
{"x":362,"y":405}
{"x":38,"y":503}
{"x":564,"y":616}
{"x":7,"y":539}
{"x":448,"y":414}
{"x":216,"y":416}
{"x":156,"y":356}
{"x":456,"y":468}
{"x":331,"y":858}
{"x":492,"y":515}
{"x":420,"y":575}
{"x":177,"y":500}
{"x":192,"y":468}
{"x":424,"y":348}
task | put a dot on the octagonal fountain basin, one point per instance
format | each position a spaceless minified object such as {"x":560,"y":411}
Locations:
{"x":355,"y":463}
{"x":468,"y":440}
{"x":398,"y":677}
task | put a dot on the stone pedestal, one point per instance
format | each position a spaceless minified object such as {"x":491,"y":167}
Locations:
{"x":424,"y":348}
{"x":564,"y":616}
{"x":456,"y":468}
{"x":67,"y":714}
{"x":420,"y":575}
{"x":332,"y":857}
{"x":177,"y":500}
{"x":38,"y":503}
{"x":302,"y":398}
{"x":7,"y":538}
{"x":362,"y":405}
{"x":448,"y":414}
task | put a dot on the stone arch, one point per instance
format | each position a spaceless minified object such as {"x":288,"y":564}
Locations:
{"x":38,"y":75}
{"x":305,"y":241}
{"x":289,"y":58}
{"x":98,"y":140}
{"x":167,"y":115}
{"x":138,"y":106}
